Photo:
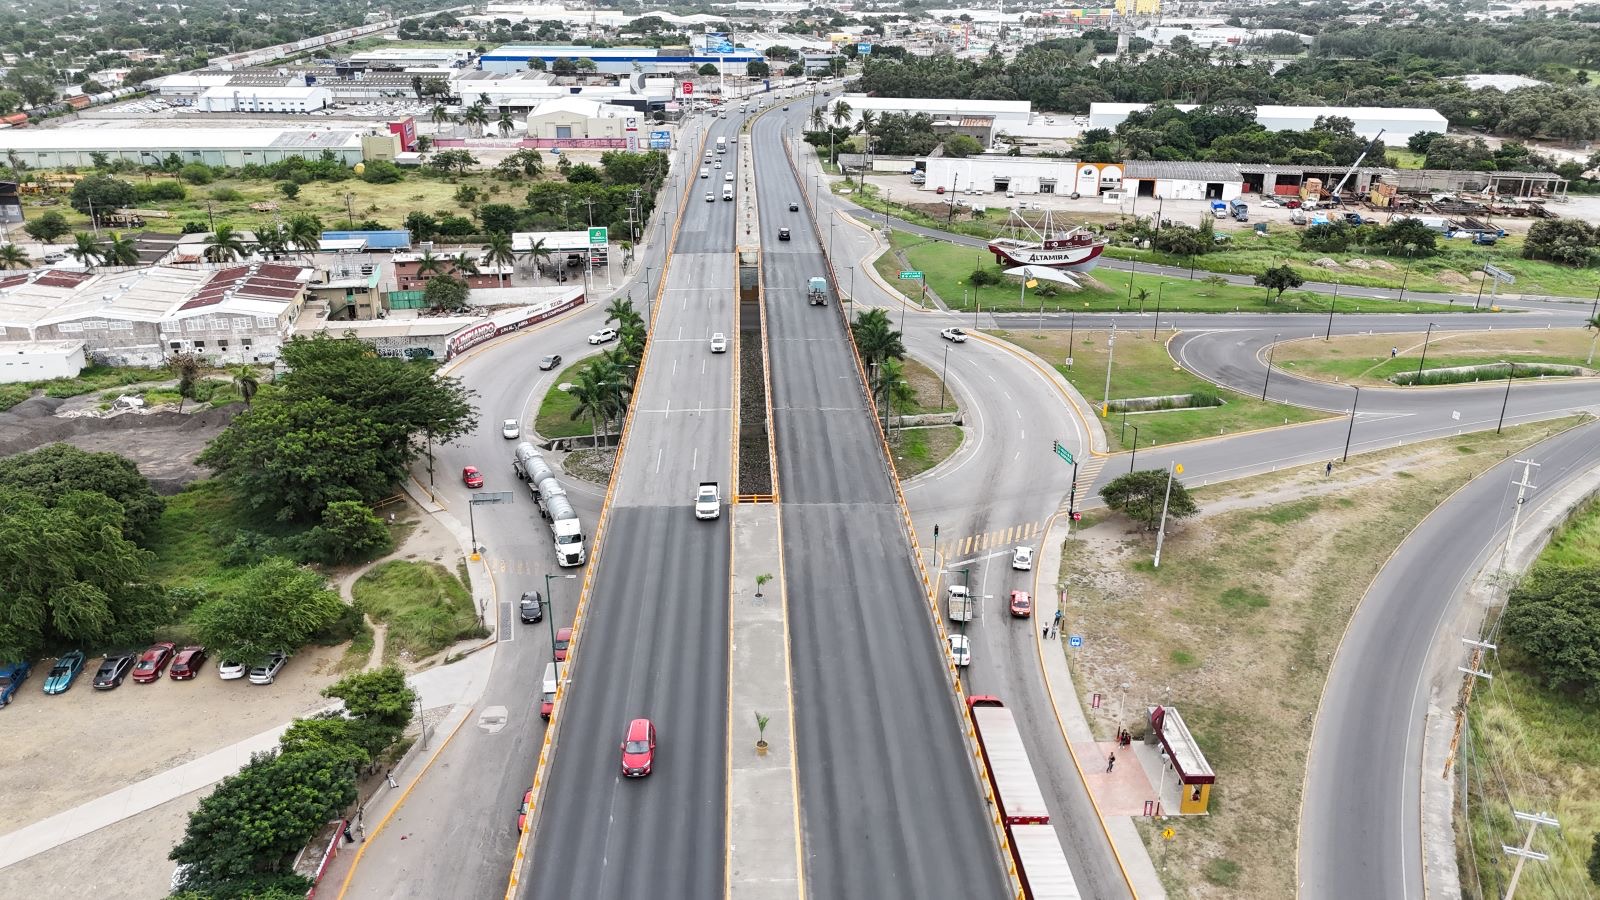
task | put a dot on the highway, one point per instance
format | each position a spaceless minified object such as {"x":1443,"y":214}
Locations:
{"x":654,"y":642}
{"x":890,"y":805}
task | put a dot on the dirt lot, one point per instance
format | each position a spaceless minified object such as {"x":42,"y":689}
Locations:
{"x":111,"y":739}
{"x":128,"y":859}
{"x":1237,"y":629}
{"x":163,"y":444}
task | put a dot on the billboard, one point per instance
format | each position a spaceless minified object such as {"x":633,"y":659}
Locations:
{"x":863,"y":49}
{"x":719,"y":42}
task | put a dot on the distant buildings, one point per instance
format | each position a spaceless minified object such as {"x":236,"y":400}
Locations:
{"x":1397,"y":123}
{"x":619,"y":60}
{"x":54,"y":148}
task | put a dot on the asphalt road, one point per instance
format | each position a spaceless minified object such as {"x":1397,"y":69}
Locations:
{"x":1359,"y":822}
{"x":889,"y":804}
{"x":654,"y":643}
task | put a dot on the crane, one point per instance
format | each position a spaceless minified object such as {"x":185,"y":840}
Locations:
{"x":1338,"y":191}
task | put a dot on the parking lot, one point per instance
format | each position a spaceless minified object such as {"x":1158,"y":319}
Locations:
{"x":61,"y":751}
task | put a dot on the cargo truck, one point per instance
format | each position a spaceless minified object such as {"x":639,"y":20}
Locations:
{"x":564,"y":525}
{"x":722,"y":145}
{"x":1239,"y":211}
{"x":1041,"y":862}
{"x":960,"y":603}
{"x":817,"y":291}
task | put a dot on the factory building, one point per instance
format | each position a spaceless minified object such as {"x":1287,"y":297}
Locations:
{"x":410,"y":58}
{"x":1022,"y":175}
{"x":620,"y":60}
{"x":1007,"y":114}
{"x":1397,"y":123}
{"x":55,"y":148}
{"x":562,"y":120}
{"x":286,"y":98}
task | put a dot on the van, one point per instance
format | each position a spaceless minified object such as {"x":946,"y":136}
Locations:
{"x":547,"y":696}
{"x":727,"y":193}
{"x":705,"y":173}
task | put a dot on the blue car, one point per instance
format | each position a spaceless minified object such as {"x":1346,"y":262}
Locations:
{"x":12,"y":675}
{"x":64,"y":672}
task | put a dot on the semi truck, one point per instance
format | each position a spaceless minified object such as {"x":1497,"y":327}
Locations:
{"x":564,"y":525}
{"x":529,"y":464}
{"x":817,"y":291}
{"x":1041,"y":862}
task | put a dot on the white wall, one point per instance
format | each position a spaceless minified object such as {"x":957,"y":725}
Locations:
{"x":24,"y":361}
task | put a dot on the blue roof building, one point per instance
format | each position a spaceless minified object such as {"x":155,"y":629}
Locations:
{"x":399,"y":239}
{"x":618,"y":60}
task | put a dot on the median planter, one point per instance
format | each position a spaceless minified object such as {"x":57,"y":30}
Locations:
{"x":761,"y":734}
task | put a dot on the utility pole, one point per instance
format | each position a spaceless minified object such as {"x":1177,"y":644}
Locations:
{"x":1350,"y":432}
{"x":1161,"y":531}
{"x":1111,"y":345}
{"x":1424,"y":358}
{"x":1506,"y":400}
{"x":1526,"y":851}
{"x":1528,"y":466}
{"x":1271,"y":350}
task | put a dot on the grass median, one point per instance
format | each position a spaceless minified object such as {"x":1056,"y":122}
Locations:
{"x":1142,"y":367}
{"x":425,"y":607}
{"x":1365,"y":358}
{"x":1238,"y":627}
{"x":555,"y":411}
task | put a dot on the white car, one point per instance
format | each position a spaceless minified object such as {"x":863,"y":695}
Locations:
{"x":709,"y":198}
{"x":510,"y":430}
{"x":229,"y":671}
{"x":706,"y":173}
{"x":727,"y":176}
{"x":606,"y":334}
{"x":1022,"y":559}
{"x":1270,"y":204}
{"x":719,"y":164}
{"x":719,"y":344}
{"x":265,"y":673}
{"x":954,"y":335}
{"x":961,"y":649}
{"x":708,"y":501}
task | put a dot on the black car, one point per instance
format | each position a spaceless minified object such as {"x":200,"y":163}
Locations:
{"x":550,"y":362}
{"x":794,"y":207}
{"x":1353,"y":218}
{"x":783,"y":234}
{"x":115,"y":668}
{"x":532,"y":607}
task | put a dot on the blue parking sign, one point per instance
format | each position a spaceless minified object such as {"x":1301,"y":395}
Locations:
{"x":1075,"y":641}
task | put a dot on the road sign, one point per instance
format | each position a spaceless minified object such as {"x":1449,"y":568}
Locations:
{"x":599,"y":235}
{"x":1075,"y":641}
{"x":1168,"y":834}
{"x":864,"y":49}
{"x":1064,"y":453}
{"x":688,"y":88}
{"x":660,"y":135}
{"x":491,"y":497}
{"x":910,"y":275}
{"x":1499,"y":274}
{"x":1178,"y":469}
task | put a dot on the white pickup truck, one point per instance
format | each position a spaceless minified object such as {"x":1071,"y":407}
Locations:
{"x":708,"y":501}
{"x":960,"y":603}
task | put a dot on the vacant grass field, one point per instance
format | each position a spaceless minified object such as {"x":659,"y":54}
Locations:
{"x":1364,"y":358}
{"x":94,"y":378}
{"x":202,"y":538}
{"x":1237,"y":630}
{"x":425,"y":607}
{"x":949,"y":270}
{"x":1141,"y":367}
{"x":916,"y":450}
{"x":928,"y":396}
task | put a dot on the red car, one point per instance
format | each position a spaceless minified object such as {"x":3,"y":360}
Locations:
{"x":187,"y":663}
{"x":472,"y":477}
{"x":639,"y":749}
{"x":1021,"y":604}
{"x":563,"y":640}
{"x":153,"y":662}
{"x":522,"y":815}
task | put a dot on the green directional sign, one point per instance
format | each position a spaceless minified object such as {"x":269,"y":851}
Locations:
{"x":599,"y":236}
{"x":1064,"y":453}
{"x":910,"y":275}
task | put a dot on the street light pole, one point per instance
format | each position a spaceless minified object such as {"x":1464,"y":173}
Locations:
{"x":1157,"y":324}
{"x":1271,"y":351}
{"x":942,"y":376}
{"x":1135,"y":448}
{"x":1406,"y":278}
{"x":1510,"y":373}
{"x":1424,"y":351}
{"x":1072,"y":334}
{"x":1111,"y":345}
{"x":1331,"y":306}
{"x":1352,"y":429}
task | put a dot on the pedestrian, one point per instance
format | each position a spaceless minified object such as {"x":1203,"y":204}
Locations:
{"x":1058,"y":619}
{"x":348,"y":838}
{"x":1111,"y":763}
{"x":389,"y":776}
{"x":1328,"y":469}
{"x":1046,"y":634}
{"x":1393,"y":351}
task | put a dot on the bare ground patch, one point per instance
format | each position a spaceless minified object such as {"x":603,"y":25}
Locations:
{"x":163,"y":443}
{"x":1237,"y":629}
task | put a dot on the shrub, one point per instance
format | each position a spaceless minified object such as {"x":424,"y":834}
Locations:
{"x":981,"y":277}
{"x":381,"y":171}
{"x":226,"y":194}
{"x":196,"y":173}
{"x":1554,"y":617}
{"x":289,"y":189}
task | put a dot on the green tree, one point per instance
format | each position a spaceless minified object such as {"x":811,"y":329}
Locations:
{"x":1554,"y":617}
{"x":224,"y":244}
{"x":258,"y":818}
{"x":499,"y":218}
{"x":85,"y":249}
{"x":276,"y":605}
{"x":349,"y":531}
{"x":380,"y":697}
{"x":103,"y":194}
{"x":1594,"y":860}
{"x":707,"y":69}
{"x":305,"y":233}
{"x":381,"y":171}
{"x":537,"y":252}
{"x":48,"y":227}
{"x":506,"y":124}
{"x":1325,"y":237}
{"x":52,"y":473}
{"x":498,"y":253}
{"x":1569,"y":241}
{"x":583,"y":173}
{"x":272,"y":240}
{"x":246,"y":381}
{"x":962,"y":145}
{"x":755,"y":68}
{"x":623,"y":167}
{"x":421,"y":225}
{"x":1139,"y":496}
{"x":1406,"y":236}
{"x":336,"y":735}
{"x":876,"y":339}
{"x":14,"y":257}
{"x":120,"y":251}
{"x":1279,"y":279}
{"x":187,"y":368}
{"x":841,"y":112}
{"x":622,"y":312}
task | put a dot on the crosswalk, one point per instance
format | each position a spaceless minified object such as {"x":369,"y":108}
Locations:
{"x":1027,"y":532}
{"x":1088,"y":471}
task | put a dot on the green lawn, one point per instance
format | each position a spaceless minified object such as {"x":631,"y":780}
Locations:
{"x":207,"y":537}
{"x":555,"y":412}
{"x":949,"y":268}
{"x":94,"y":378}
{"x":1579,"y":542}
{"x":424,"y":605}
{"x":916,"y":450}
{"x":1402,"y":158}
{"x":1141,"y":367}
{"x":1364,"y":359}
{"x":927,"y":395}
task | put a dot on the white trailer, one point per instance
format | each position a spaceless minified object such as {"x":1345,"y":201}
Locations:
{"x":1010,"y":773}
{"x":1045,"y":873}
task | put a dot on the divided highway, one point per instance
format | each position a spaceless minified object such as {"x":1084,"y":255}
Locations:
{"x":889,"y":802}
{"x":654,"y":639}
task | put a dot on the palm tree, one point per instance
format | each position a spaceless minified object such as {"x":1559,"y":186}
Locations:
{"x":538,"y":252}
{"x":621,"y":311}
{"x":506,"y":124}
{"x":14,"y":257}
{"x":463,"y":264}
{"x":85,"y":250}
{"x":841,"y":112}
{"x":498,"y":253}
{"x":246,"y":380}
{"x":304,"y":233}
{"x":476,"y":117}
{"x":819,"y":118}
{"x":440,"y":115}
{"x":121,"y":251}
{"x":869,"y":121}
{"x":428,"y":264}
{"x":224,"y":244}
{"x":272,"y":239}
{"x":875,"y":339}
{"x":591,"y":392}
{"x":483,"y":99}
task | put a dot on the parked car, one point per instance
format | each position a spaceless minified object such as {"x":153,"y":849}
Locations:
{"x":1269,"y":203}
{"x":522,"y":813}
{"x":510,"y":429}
{"x":1021,"y":604}
{"x":563,"y":641}
{"x":228,"y":670}
{"x":471,"y":477}
{"x":531,"y":607}
{"x":1352,"y":218}
{"x":719,"y":343}
{"x":783,"y":234}
{"x":549,"y":362}
{"x":64,"y":672}
{"x":187,"y":663}
{"x":954,"y":335}
{"x":605,"y":334}
{"x":268,"y":671}
{"x":113,"y":670}
{"x":1022,"y":559}
{"x":639,"y":748}
{"x":12,"y":676}
{"x":153,"y":662}
{"x":960,"y":649}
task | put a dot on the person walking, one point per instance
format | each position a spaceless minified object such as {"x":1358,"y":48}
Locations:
{"x":1111,"y":762}
{"x":1328,"y":470}
{"x":389,"y":776}
{"x":1058,"y":620}
{"x":1046,"y":634}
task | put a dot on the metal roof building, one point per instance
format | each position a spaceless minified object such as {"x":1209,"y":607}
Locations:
{"x":1397,"y":123}
{"x":1007,"y":113}
{"x":54,"y":148}
{"x":620,"y":60}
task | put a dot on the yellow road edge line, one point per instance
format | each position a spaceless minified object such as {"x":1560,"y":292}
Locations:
{"x":345,"y":885}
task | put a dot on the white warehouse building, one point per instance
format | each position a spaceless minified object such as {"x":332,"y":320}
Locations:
{"x":1024,"y":175}
{"x":253,"y":98}
{"x":1008,"y":114}
{"x":1398,"y":123}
